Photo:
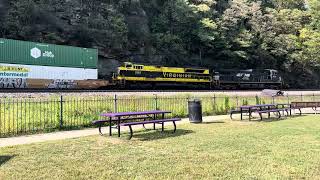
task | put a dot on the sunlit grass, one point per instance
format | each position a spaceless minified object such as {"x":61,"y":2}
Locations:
{"x":286,"y":149}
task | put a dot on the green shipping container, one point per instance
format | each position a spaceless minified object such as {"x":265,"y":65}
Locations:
{"x":31,"y":53}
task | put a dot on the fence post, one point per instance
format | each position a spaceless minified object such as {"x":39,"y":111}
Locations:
{"x":156,"y":101}
{"x":0,"y":116}
{"x":237,"y":101}
{"x":314,"y":99}
{"x":61,"y":112}
{"x":188,"y":98}
{"x":115,"y":103}
{"x":214,"y":104}
{"x":272,"y":99}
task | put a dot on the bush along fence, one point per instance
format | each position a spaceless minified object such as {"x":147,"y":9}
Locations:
{"x":20,"y":116}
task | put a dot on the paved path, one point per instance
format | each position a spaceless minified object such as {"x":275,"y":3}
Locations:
{"x":75,"y":134}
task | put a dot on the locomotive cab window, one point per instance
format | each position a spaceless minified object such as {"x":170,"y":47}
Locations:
{"x":138,"y":67}
{"x":268,"y":74}
{"x":128,"y":66}
{"x":274,"y":74}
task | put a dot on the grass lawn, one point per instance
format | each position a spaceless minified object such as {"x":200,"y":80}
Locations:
{"x":239,"y":150}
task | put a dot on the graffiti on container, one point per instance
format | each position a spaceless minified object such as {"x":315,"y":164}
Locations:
{"x":13,"y":83}
{"x":62,"y":84}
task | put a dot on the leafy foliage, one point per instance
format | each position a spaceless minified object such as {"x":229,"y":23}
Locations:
{"x":278,"y":34}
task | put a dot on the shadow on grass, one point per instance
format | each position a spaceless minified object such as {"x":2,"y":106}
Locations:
{"x":157,"y":134}
{"x":213,"y":122}
{"x":4,"y":159}
{"x":274,"y":119}
{"x":271,"y":119}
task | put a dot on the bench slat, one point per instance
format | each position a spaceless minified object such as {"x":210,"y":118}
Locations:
{"x":99,"y":121}
{"x":271,"y":110}
{"x":114,"y":120}
{"x":150,"y":122}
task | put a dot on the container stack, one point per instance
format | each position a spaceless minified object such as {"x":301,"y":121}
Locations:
{"x":30,"y":60}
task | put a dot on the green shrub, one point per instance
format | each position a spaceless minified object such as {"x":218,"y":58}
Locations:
{"x":258,"y":100}
{"x":245,"y":101}
{"x":226,"y":104}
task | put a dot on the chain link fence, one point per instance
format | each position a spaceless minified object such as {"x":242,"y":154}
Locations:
{"x":19,"y":116}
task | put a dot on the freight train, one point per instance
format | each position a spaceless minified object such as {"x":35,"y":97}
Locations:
{"x":46,"y":66}
{"x":131,"y":75}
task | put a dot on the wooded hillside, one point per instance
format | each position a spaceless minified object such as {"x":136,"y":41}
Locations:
{"x":220,"y":34}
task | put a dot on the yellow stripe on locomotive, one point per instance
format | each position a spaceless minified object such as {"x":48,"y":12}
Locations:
{"x":136,"y":72}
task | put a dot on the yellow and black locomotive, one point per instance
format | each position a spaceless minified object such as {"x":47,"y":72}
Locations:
{"x":130,"y":74}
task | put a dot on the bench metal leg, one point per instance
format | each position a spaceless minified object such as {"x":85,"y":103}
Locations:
{"x":110,"y":128}
{"x":315,"y":110}
{"x":144,"y":125}
{"x":279,"y":114}
{"x":162,"y":128}
{"x":260,"y":114}
{"x":131,"y":132}
{"x":100,"y":129}
{"x":154,"y":118}
{"x":118,"y":127}
{"x":175,"y":126}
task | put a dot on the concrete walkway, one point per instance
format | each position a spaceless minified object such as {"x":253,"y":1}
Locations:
{"x":77,"y":133}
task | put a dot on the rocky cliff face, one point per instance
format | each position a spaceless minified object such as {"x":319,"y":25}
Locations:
{"x":3,"y":6}
{"x":138,"y":48}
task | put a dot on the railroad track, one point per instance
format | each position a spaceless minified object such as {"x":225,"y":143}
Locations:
{"x":137,"y":91}
{"x":81,"y":90}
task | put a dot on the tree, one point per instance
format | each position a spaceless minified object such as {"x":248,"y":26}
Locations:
{"x":283,"y":4}
{"x":237,"y":37}
{"x":173,"y":30}
{"x":279,"y":34}
{"x":308,"y":45}
{"x":314,"y":7}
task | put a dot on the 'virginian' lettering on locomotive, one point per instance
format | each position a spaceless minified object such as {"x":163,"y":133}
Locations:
{"x":176,"y":75}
